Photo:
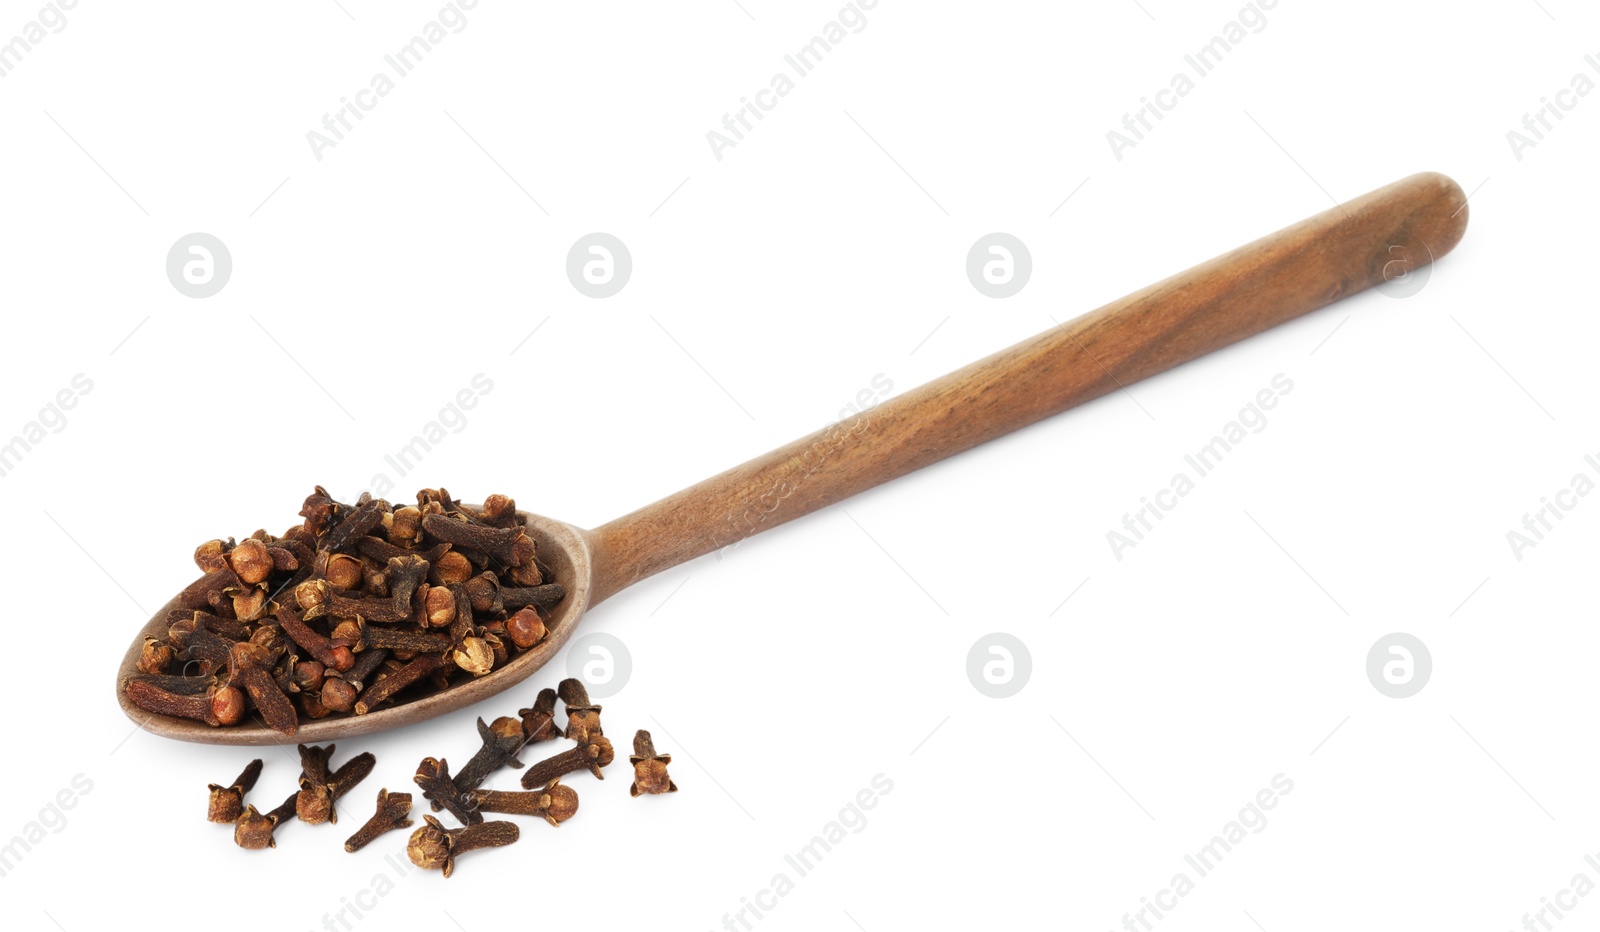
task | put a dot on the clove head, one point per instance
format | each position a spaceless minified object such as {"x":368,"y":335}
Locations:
{"x":434,"y":847}
{"x":227,"y":705}
{"x":250,"y":561}
{"x":475,"y":656}
{"x":227,"y":802}
{"x":429,"y":847}
{"x":525,"y":628}
{"x":538,"y":722}
{"x":253,"y":831}
{"x":649,"y":768}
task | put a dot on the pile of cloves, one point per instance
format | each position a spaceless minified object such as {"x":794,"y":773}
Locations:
{"x":544,"y":796}
{"x":433,"y":845}
{"x":312,"y":802}
{"x":356,"y":608}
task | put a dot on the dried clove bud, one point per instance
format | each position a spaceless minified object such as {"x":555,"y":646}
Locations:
{"x":247,"y":667}
{"x":596,"y":754}
{"x":433,"y":775}
{"x":649,"y":768}
{"x":227,"y":802}
{"x":396,"y":681}
{"x":434,"y":847}
{"x":500,"y":511}
{"x":374,"y":636}
{"x":452,"y":569}
{"x":314,"y":803}
{"x":538,"y":723}
{"x":219,"y":705}
{"x":331,"y":656}
{"x":501,"y":742}
{"x":525,"y":628}
{"x":392,"y":811}
{"x":440,"y":606}
{"x":343,"y":571}
{"x":501,"y":544}
{"x":556,"y":803}
{"x":475,"y":655}
{"x":254,"y":831}
{"x":209,"y":556}
{"x":320,"y":789}
{"x":309,"y":676}
{"x":534,"y":596}
{"x":250,"y":561}
{"x":583,"y":716}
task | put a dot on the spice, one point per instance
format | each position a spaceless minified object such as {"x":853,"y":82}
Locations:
{"x":320,"y":789}
{"x":433,"y":775}
{"x":556,"y":803}
{"x":538,"y":723}
{"x":434,"y":847}
{"x":249,"y":665}
{"x":392,"y":811}
{"x":287,"y":622}
{"x":583,"y":716}
{"x":649,"y":768}
{"x":219,"y":705}
{"x":596,"y":754}
{"x":314,"y":803}
{"x":254,"y":831}
{"x":227,"y":802}
{"x":501,"y":742}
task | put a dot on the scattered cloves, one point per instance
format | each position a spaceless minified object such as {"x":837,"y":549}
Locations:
{"x":649,"y":768}
{"x":539,"y":722}
{"x":393,"y":808}
{"x":254,"y":831}
{"x":314,"y":803}
{"x":592,"y":756}
{"x":433,"y":775}
{"x":501,"y":742}
{"x":227,"y":802}
{"x":556,"y":803}
{"x":583,"y":716}
{"x":434,"y":847}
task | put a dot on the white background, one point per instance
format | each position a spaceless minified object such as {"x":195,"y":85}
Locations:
{"x":768,"y":288}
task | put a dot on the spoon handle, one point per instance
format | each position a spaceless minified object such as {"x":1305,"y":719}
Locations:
{"x":1379,"y":236}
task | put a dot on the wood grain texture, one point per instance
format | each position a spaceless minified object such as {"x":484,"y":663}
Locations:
{"x":1337,"y":253}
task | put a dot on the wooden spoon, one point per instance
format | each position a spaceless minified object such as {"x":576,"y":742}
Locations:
{"x":1375,"y":238}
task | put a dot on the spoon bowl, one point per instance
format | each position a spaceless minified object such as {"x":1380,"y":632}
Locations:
{"x":563,"y":551}
{"x":1377,"y":238}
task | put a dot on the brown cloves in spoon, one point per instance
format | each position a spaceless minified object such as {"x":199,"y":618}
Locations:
{"x":1377,"y":238}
